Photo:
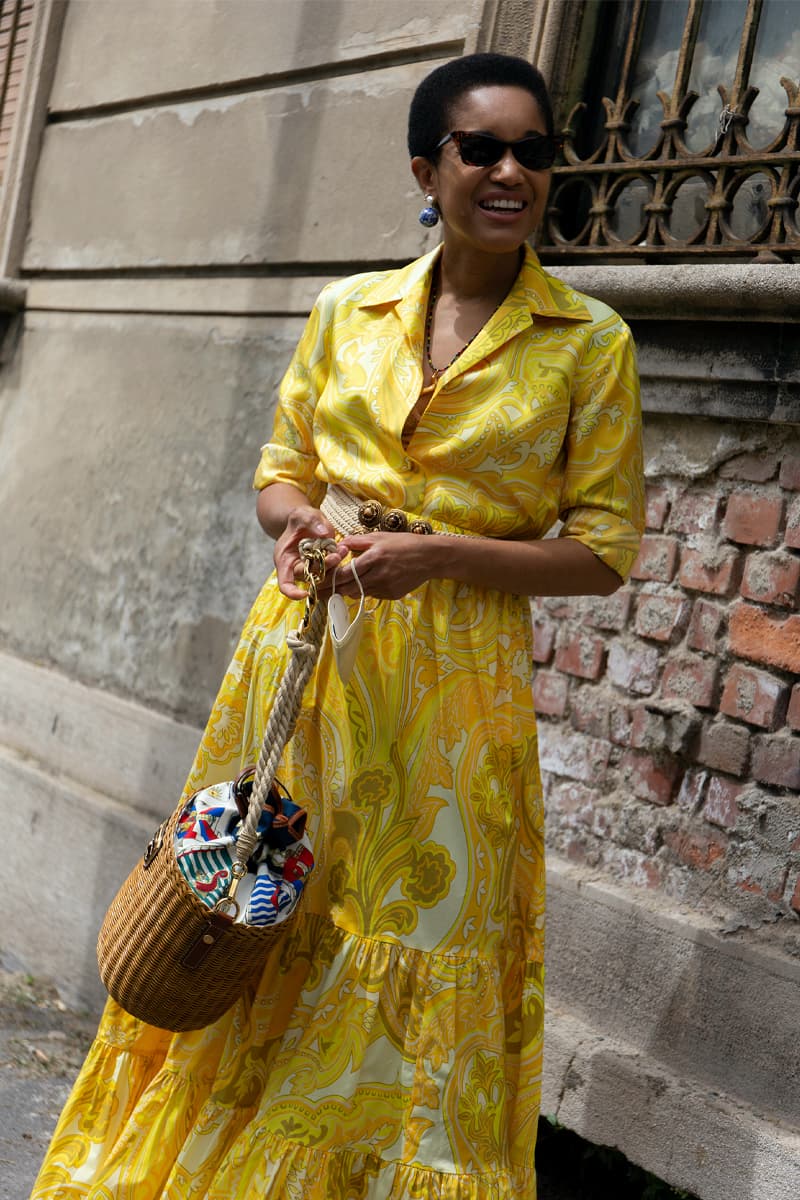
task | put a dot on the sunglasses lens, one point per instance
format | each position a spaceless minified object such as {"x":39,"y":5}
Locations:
{"x":535,"y":154}
{"x":480,"y":150}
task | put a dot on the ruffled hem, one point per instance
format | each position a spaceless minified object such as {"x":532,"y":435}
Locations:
{"x":357,"y":1068}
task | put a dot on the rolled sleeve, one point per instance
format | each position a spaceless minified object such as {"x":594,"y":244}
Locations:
{"x":602,"y":498}
{"x":289,"y":456}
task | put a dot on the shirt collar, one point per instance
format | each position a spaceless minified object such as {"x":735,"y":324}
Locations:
{"x":542,"y":294}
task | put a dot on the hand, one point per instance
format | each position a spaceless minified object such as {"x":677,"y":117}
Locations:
{"x":302,"y":522}
{"x":390,"y":565}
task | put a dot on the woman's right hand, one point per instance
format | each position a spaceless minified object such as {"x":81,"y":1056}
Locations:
{"x":302,"y":522}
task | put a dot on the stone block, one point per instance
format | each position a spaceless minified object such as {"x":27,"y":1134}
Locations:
{"x":753,"y":519}
{"x":692,"y":680}
{"x":633,"y":668}
{"x":720,"y":807}
{"x":657,"y":558}
{"x":653,"y":777}
{"x":792,"y":535}
{"x":108,"y":58}
{"x":772,"y":579}
{"x":661,"y":616}
{"x":609,"y":612}
{"x":544,"y":636}
{"x":695,"y":512}
{"x":704,"y":626}
{"x":751,"y":468}
{"x":790,"y":472}
{"x":724,"y":747}
{"x":657,"y":501}
{"x":760,"y":637}
{"x":776,"y":761}
{"x":793,"y":714}
{"x":714,"y":570}
{"x":550,"y":692}
{"x":754,"y":696}
{"x":572,"y":754}
{"x":255,"y":178}
{"x":581,"y":654}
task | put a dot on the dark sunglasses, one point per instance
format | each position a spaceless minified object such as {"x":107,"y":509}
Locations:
{"x":537,"y":152}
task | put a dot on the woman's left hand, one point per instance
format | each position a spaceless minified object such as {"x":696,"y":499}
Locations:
{"x":391,"y":565}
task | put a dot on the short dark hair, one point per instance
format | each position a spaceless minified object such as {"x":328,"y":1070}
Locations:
{"x":429,"y":115}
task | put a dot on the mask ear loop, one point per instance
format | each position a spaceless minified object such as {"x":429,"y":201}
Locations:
{"x":358,"y":581}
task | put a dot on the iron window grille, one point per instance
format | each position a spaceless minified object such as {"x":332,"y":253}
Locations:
{"x":681,"y":137}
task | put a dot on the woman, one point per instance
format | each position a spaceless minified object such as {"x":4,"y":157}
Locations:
{"x":393,"y":1047}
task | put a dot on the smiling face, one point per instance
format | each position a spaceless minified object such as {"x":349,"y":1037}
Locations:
{"x":488,"y":209}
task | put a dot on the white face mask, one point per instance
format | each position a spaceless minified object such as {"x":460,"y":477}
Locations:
{"x":345,"y":634}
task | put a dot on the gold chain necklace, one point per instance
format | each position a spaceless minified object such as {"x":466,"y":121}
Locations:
{"x":437,"y":372}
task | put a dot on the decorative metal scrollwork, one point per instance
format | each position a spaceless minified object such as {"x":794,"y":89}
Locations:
{"x":729,"y":200}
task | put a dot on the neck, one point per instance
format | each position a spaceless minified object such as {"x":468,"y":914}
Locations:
{"x":472,"y":275}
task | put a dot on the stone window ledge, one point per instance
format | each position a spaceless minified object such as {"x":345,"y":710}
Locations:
{"x":12,"y":295}
{"x":711,"y":292}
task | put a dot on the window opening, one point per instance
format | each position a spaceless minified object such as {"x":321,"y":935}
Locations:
{"x":682,"y":134}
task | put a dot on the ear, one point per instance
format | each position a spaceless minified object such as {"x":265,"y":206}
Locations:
{"x":424,"y":173}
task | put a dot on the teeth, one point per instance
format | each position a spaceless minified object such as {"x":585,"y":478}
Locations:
{"x":513,"y":204}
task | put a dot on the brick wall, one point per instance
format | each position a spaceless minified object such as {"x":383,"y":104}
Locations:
{"x":670,"y":711}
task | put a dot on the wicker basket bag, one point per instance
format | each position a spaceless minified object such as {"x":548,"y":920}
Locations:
{"x":164,"y":955}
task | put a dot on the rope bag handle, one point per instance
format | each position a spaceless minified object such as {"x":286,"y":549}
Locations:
{"x":304,"y":643}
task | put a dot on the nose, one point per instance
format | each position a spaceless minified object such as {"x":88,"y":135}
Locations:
{"x":507,"y":169}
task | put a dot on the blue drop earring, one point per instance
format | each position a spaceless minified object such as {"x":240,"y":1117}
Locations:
{"x":429,"y":215}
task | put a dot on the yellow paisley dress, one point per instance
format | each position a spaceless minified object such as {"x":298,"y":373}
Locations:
{"x":392,"y":1050}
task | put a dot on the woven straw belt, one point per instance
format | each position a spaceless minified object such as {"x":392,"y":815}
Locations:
{"x":347,"y":514}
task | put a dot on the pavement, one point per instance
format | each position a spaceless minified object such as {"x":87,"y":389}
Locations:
{"x":42,"y":1045}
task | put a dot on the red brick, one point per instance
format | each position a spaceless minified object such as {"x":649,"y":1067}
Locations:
{"x":724,"y":747}
{"x":582,"y":655}
{"x":704,"y":627}
{"x":754,"y":696}
{"x":715,"y":572}
{"x":657,"y":506}
{"x":550,"y":693}
{"x":720,"y":807}
{"x":609,"y":612}
{"x":572,"y":754}
{"x":590,"y":711}
{"x":658,"y":557}
{"x":792,"y":535}
{"x":691,"y":790}
{"x":544,"y":636}
{"x":635,"y":669}
{"x":776,"y":761}
{"x":772,"y":579}
{"x":648,"y":729}
{"x":691,"y":680}
{"x":795,"y":900}
{"x":750,"y":468}
{"x":762,"y":638}
{"x":753,"y":518}
{"x":619,"y":722}
{"x":698,"y":850}
{"x":695,"y":512}
{"x":793,"y":715}
{"x":790,"y":473}
{"x":661,"y":617}
{"x":652,"y":777}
